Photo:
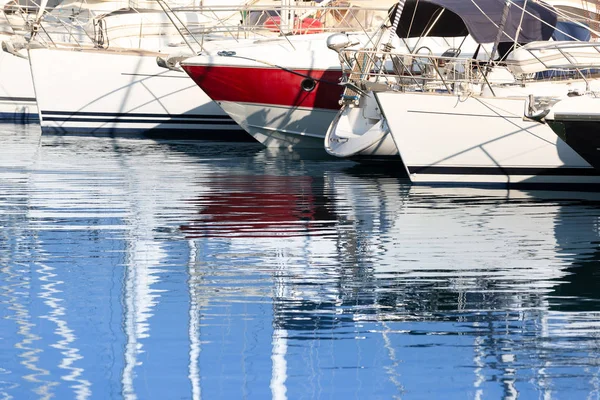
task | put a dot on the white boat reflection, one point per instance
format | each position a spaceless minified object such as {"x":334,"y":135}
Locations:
{"x":179,"y":273}
{"x":436,"y":239}
{"x":80,"y":232}
{"x":35,"y":284}
{"x":402,"y":258}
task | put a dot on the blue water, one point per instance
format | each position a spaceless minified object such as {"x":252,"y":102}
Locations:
{"x":155,"y":270}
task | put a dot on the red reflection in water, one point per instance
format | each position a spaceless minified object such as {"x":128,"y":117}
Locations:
{"x":261,"y":206}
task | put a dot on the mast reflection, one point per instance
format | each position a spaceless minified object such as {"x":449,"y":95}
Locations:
{"x":286,"y":278}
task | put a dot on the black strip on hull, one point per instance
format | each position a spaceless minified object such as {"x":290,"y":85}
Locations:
{"x":132,"y":115}
{"x":500,"y":171}
{"x":581,"y":136}
{"x":18,"y":99}
{"x":140,"y":121}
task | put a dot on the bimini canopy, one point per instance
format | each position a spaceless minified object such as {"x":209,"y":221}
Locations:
{"x":479,"y":18}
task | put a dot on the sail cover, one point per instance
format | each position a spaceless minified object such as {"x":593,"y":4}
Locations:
{"x":479,"y":18}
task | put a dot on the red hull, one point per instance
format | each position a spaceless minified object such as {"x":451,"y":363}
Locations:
{"x":272,"y":86}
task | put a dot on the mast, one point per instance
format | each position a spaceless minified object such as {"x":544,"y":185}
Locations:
{"x":501,"y":29}
{"x":596,"y":18}
{"x":395,"y":24}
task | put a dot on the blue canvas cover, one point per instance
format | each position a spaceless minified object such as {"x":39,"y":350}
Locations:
{"x":566,"y":30}
{"x":479,"y":18}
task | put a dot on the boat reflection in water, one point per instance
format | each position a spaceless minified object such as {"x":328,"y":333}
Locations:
{"x":410,"y":277}
{"x":134,"y":269}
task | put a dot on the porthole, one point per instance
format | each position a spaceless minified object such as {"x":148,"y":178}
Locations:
{"x":308,"y":84}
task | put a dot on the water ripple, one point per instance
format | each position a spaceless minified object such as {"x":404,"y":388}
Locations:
{"x":149,"y":269}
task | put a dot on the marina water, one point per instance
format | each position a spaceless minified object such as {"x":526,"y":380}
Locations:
{"x":134,"y":268}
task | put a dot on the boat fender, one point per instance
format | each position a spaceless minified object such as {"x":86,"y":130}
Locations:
{"x":10,"y":49}
{"x":169,"y":63}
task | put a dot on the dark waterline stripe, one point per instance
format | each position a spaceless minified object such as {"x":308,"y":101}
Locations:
{"x":8,"y":98}
{"x":427,"y":170}
{"x":139,"y":121}
{"x":133,"y":115}
{"x":18,"y":117}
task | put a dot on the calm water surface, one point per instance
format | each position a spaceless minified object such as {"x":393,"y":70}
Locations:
{"x":152,"y":270}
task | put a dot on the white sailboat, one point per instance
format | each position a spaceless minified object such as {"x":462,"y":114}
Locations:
{"x":453,"y":121}
{"x":17,"y":96}
{"x":286,"y":96}
{"x":114,"y":83}
{"x":116,"y":87}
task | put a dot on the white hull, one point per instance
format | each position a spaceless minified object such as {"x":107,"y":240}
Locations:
{"x":110,"y":92}
{"x":579,"y":108}
{"x":17,"y":97}
{"x":478,"y":140}
{"x":278,"y":113}
{"x":281,"y":126}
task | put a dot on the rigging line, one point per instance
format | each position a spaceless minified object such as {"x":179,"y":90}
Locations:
{"x":484,"y":14}
{"x":228,"y":29}
{"x":322,"y":4}
{"x":418,"y":42}
{"x":284,"y":34}
{"x":520,"y":24}
{"x":395,"y":24}
{"x":164,"y":6}
{"x":431,"y":24}
{"x":555,"y":11}
{"x":387,"y":47}
{"x":574,"y":17}
{"x":363,"y":28}
{"x":569,"y":17}
{"x":412,"y":18}
{"x":551,"y":9}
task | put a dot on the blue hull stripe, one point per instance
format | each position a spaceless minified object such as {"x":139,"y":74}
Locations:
{"x":18,"y":117}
